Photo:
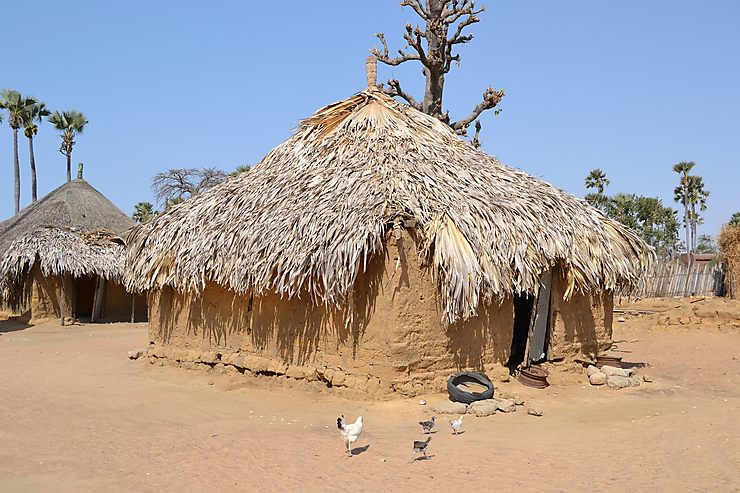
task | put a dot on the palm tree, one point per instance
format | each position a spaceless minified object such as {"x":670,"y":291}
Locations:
{"x":597,"y":179}
{"x":143,"y":212}
{"x":70,"y":124}
{"x":32,"y":115}
{"x":16,"y":105}
{"x":697,"y":197}
{"x":735,"y":219}
{"x":681,"y":195}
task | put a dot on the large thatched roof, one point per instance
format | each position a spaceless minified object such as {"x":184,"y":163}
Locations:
{"x":311,"y":213}
{"x":74,"y":205}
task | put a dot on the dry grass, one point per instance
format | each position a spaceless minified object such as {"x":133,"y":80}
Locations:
{"x":308,"y":217}
{"x":729,"y":245}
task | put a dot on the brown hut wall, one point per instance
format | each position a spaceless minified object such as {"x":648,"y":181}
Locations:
{"x":46,"y":295}
{"x":581,"y":325}
{"x":117,"y":303}
{"x":396,"y":334}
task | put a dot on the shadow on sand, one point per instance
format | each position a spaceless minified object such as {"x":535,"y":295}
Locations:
{"x":13,"y":324}
{"x":359,"y":450}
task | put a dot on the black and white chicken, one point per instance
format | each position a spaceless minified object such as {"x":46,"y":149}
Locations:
{"x":349,"y":433}
{"x":421,"y":447}
{"x":427,"y":426}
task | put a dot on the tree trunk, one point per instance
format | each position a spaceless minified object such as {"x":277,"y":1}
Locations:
{"x":686,"y":219}
{"x":16,"y":172}
{"x":69,"y":167}
{"x":33,"y":170}
{"x":435,"y":79}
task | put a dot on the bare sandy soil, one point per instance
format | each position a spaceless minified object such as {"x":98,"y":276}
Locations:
{"x":77,"y":415}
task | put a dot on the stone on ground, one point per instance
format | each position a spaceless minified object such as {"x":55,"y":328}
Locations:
{"x":506,"y":406}
{"x":597,"y":378}
{"x":485,"y":407}
{"x":533,"y":411}
{"x":616,"y":382}
{"x":449,"y":407}
{"x":619,"y":372}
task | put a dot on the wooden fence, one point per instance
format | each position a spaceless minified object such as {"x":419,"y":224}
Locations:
{"x":667,"y":279}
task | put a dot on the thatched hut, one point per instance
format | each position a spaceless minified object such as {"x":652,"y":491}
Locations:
{"x":63,"y":258}
{"x":375,"y":249}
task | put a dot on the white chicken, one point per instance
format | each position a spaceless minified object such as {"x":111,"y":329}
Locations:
{"x":456,"y":425}
{"x":349,"y":433}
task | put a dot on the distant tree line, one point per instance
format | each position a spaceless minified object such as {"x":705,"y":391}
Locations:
{"x":26,"y":112}
{"x":657,"y":224}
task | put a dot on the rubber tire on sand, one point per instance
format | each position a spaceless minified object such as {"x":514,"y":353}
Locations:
{"x":459,"y":395}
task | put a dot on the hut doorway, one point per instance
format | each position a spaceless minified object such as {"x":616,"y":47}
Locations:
{"x":84,"y":296}
{"x":531,"y":333}
{"x":523,"y":305}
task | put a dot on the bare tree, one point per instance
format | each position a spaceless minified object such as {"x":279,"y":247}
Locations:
{"x":445,"y":21}
{"x":178,"y":184}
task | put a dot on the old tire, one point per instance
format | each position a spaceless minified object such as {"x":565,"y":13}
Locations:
{"x":459,"y":395}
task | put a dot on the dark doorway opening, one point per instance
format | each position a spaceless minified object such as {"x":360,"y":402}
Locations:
{"x":85,"y":294}
{"x":523,"y":306}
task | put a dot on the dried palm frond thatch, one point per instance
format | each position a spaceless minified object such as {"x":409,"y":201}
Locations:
{"x":60,"y":251}
{"x":729,"y":250}
{"x":311,"y":213}
{"x":76,"y":204}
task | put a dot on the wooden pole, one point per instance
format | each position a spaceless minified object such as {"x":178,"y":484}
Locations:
{"x":62,"y":303}
{"x":95,"y":299}
{"x":74,"y":299}
{"x":99,"y":300}
{"x":133,"y":307}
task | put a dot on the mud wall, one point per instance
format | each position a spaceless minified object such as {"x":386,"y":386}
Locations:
{"x":46,"y":292}
{"x":582,"y":325}
{"x":117,"y":304}
{"x":394,"y":339}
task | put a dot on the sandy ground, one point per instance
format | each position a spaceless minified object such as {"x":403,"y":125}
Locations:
{"x":77,"y":415}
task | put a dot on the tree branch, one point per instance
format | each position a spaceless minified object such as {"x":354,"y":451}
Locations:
{"x":383,"y":56}
{"x":491,"y":97}
{"x":395,"y":90}
{"x":418,"y":8}
{"x":413,"y":38}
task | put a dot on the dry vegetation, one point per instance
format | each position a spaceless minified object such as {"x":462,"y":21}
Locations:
{"x":729,"y":244}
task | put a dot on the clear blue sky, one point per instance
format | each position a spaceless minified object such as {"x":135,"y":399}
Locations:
{"x":631,"y":87}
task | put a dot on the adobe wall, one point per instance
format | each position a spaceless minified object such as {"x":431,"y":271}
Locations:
{"x":582,"y":325}
{"x":44,"y":303}
{"x":117,"y":304}
{"x":395,"y":342}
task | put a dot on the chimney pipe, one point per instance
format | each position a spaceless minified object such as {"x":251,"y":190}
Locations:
{"x":371,"y":71}
{"x":79,"y":171}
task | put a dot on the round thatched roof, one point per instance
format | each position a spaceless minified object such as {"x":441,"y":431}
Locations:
{"x":311,"y":213}
{"x":76,"y":205}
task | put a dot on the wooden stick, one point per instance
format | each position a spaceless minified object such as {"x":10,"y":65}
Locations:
{"x":62,"y":303}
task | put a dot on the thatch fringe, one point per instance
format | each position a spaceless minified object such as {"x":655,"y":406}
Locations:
{"x":307,"y":218}
{"x":61,"y":251}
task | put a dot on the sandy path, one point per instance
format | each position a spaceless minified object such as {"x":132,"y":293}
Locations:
{"x":76,"y":415}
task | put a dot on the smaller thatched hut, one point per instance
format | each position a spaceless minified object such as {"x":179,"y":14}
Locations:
{"x":58,"y":273}
{"x":62,"y":257}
